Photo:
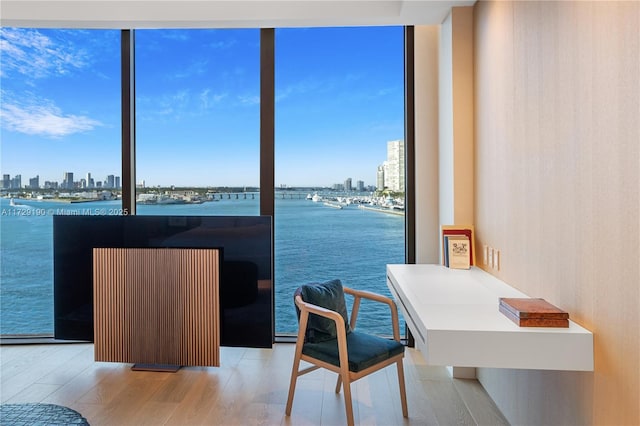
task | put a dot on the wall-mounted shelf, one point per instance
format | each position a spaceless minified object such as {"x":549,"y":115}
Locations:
{"x":454,"y":317}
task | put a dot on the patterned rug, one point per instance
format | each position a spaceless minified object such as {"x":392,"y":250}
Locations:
{"x":39,"y":414}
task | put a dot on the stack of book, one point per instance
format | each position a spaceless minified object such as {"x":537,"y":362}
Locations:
{"x":529,"y":312}
{"x":457,"y":246}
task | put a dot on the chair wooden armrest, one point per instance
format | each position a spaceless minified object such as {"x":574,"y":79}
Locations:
{"x":363,"y":294}
{"x":369,"y":295}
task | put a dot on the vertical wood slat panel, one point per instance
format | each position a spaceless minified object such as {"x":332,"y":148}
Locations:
{"x":156,"y":306}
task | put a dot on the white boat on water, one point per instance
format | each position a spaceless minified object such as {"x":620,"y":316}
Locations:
{"x":346,"y":201}
{"x":316,"y":198}
{"x":13,"y":203}
{"x":333,"y":205}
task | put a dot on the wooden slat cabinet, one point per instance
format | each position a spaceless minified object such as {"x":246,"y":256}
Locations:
{"x":156,"y":306}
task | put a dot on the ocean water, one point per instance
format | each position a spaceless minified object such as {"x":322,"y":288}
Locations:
{"x":313,"y":242}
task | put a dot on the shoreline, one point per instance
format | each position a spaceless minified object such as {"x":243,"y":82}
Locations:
{"x":382,"y":210}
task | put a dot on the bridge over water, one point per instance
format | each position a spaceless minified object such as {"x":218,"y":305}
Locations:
{"x":254,"y":195}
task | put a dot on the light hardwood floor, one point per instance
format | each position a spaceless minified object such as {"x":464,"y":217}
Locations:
{"x":250,"y":388}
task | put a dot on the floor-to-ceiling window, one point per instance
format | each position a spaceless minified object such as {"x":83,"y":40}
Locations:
{"x":197,"y":121}
{"x":60,"y":132}
{"x":339,"y":162}
{"x":339,"y":137}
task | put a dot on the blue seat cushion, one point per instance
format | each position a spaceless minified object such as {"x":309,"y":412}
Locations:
{"x":329,"y":295}
{"x":364,"y":350}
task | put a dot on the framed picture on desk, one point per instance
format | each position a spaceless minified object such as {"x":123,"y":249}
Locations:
{"x":458,"y":234}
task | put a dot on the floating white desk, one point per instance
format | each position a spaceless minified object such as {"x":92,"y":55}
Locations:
{"x":454,"y":317}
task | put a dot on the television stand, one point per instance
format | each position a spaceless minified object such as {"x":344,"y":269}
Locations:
{"x":157,"y":306}
{"x":162,"y":368}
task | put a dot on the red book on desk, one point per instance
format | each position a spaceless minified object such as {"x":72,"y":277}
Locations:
{"x":529,"y":312}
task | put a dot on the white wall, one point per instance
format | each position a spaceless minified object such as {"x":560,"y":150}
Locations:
{"x":445,"y":127}
{"x":426,"y":145}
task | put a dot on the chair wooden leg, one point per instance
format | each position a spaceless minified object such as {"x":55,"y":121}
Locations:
{"x":338,"y":383}
{"x":294,"y":378}
{"x":403,"y":392}
{"x":348,"y":405}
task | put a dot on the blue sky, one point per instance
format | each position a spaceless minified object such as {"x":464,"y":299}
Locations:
{"x":339,"y":99}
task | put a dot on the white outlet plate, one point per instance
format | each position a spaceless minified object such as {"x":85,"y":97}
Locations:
{"x":485,"y":254}
{"x":496,"y":260}
{"x":491,"y":257}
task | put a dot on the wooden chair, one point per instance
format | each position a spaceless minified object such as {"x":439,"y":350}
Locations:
{"x":327,"y":340}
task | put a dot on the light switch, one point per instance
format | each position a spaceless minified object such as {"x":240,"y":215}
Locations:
{"x":491,"y":257}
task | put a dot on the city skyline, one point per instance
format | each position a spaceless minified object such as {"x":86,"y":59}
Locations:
{"x":197,"y":104}
{"x":68,"y":182}
{"x":10,"y":182}
{"x":389,"y":175}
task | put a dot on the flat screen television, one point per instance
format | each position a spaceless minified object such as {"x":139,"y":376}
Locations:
{"x":246,"y":273}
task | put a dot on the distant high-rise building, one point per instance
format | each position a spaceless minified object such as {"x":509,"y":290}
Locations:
{"x":83,"y":183}
{"x":360,"y":186}
{"x":110,"y":183}
{"x":90,"y":183}
{"x":347,"y":184}
{"x":117,"y":182}
{"x":394,"y":171}
{"x":380,"y":176}
{"x":67,"y":182}
{"x":34,"y":183}
{"x":16,"y":182}
{"x":6,"y":181}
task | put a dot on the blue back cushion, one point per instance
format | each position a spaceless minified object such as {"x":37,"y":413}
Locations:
{"x":329,"y":295}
